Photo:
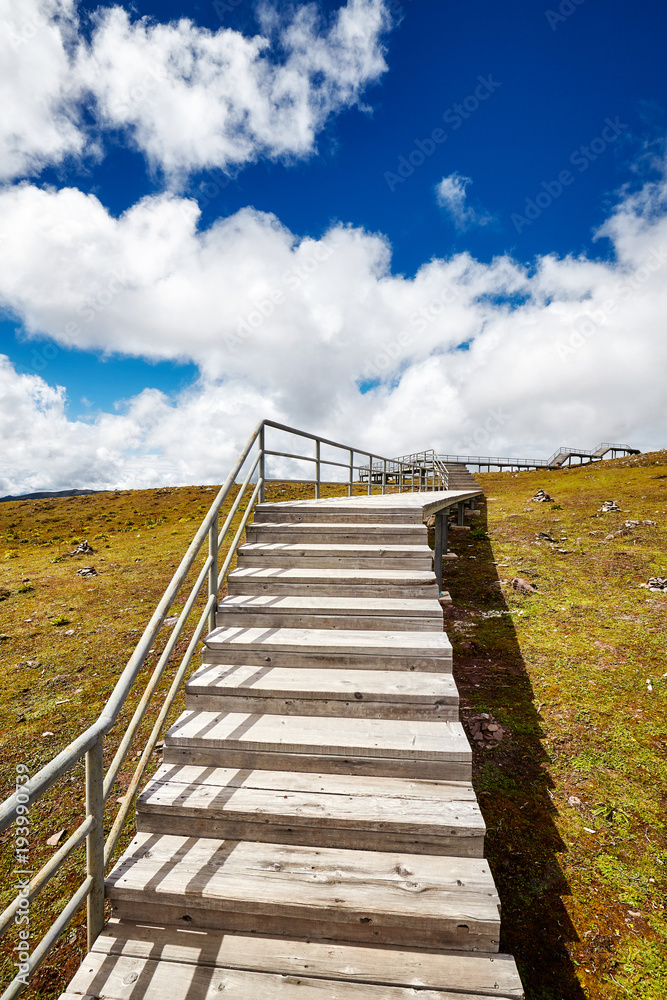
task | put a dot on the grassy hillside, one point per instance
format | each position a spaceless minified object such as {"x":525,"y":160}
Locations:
{"x":573,"y":793}
{"x":64,"y":640}
{"x":576,"y":675}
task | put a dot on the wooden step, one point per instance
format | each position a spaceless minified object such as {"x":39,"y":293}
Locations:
{"x":283,"y":514}
{"x":316,"y":810}
{"x":336,"y":532}
{"x":417,"y":615}
{"x":171,"y":963}
{"x":390,"y":747}
{"x":288,"y":647}
{"x":334,"y":556}
{"x":362,"y":897}
{"x":390,"y":583}
{"x":374,"y":694}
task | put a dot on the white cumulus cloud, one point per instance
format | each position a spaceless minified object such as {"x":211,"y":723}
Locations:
{"x":451,"y":194}
{"x":188,"y":98}
{"x":468,"y":357}
{"x":39,"y":90}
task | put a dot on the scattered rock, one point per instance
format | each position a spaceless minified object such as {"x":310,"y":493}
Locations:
{"x":629,"y":526}
{"x":544,"y":537}
{"x":656,"y":583}
{"x":522,"y":586}
{"x":4,"y":638}
{"x":55,"y":839}
{"x":542,"y":497}
{"x":574,"y":801}
{"x":4,"y":593}
{"x":608,"y":506}
{"x":465,"y":645}
{"x":87,"y":571}
{"x":70,"y":631}
{"x":47,"y":733}
{"x":485,"y":730}
{"x":171,"y":620}
{"x":84,"y":549}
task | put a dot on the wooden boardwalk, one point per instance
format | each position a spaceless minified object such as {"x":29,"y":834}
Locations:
{"x":312,"y":833}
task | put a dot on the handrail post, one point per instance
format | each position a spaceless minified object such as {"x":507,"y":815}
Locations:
{"x":350,"y":487}
{"x":318,"y":474}
{"x":213,"y":571}
{"x":262,"y":463}
{"x":95,"y":839}
{"x":370,"y":474}
{"x":384,"y":476}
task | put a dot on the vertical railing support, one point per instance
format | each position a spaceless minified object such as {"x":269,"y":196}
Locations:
{"x":213,"y":571}
{"x":318,"y":475}
{"x":350,"y":487}
{"x":384,"y":476}
{"x":261,"y":468}
{"x":95,"y":839}
{"x":370,"y":474}
{"x":440,"y":547}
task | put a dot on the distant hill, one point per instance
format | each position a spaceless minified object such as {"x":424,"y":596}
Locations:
{"x":46,"y":496}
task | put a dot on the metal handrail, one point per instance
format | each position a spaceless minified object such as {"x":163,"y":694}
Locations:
{"x":598,"y":452}
{"x":423,"y":467}
{"x":90,"y":743}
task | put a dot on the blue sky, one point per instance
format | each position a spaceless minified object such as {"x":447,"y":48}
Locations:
{"x":467,"y":148}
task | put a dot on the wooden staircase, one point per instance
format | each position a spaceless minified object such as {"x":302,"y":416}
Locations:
{"x":312,"y":833}
{"x":460,"y":478}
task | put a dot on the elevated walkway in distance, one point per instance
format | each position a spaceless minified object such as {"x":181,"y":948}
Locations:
{"x":313,"y":832}
{"x":561,"y":457}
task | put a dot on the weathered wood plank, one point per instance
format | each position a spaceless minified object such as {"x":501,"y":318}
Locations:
{"x":388,"y":694}
{"x":323,"y":550}
{"x":415,"y":608}
{"x":435,"y":818}
{"x":324,"y":641}
{"x":413,"y":740}
{"x":371,"y":649}
{"x":229,"y":617}
{"x":391,"y":767}
{"x":415,"y":578}
{"x":479,"y":974}
{"x":125,"y":978}
{"x":323,"y":531}
{"x":414,"y":686}
{"x":293,"y":582}
{"x":340,"y":894}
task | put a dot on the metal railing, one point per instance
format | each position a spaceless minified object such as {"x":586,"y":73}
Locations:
{"x":595,"y":453}
{"x":536,"y":463}
{"x":90,"y":744}
{"x":422,"y":469}
{"x":493,"y":460}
